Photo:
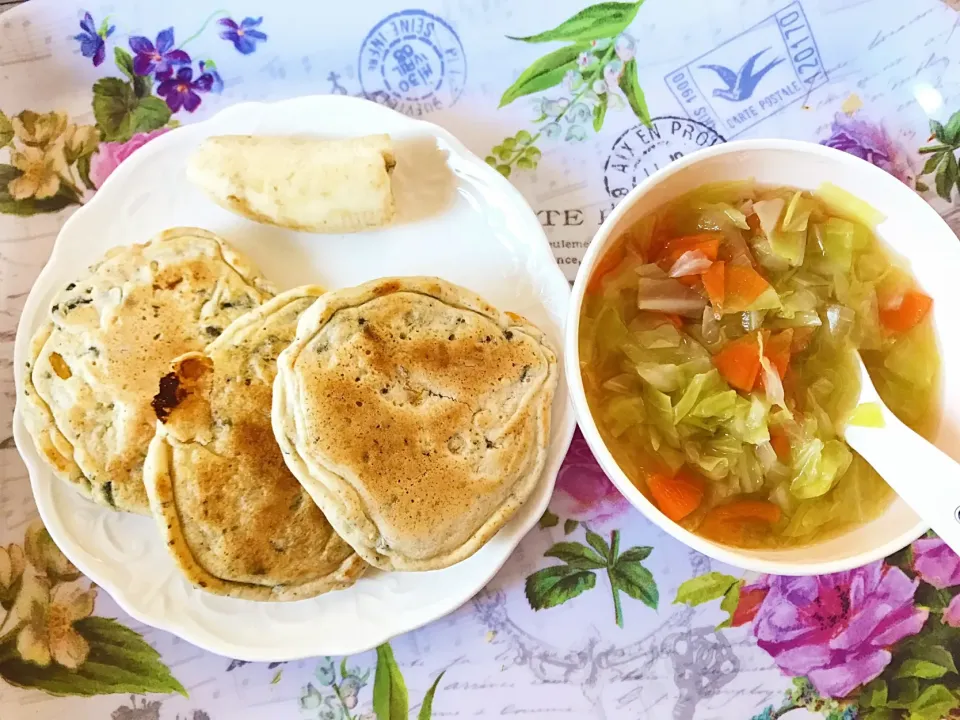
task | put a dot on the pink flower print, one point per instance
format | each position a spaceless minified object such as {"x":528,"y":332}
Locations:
{"x":583,"y":492}
{"x":750,"y":601}
{"x":837,"y":629}
{"x":951,"y":616}
{"x":870,"y":142}
{"x":110,"y":154}
{"x":936,"y":563}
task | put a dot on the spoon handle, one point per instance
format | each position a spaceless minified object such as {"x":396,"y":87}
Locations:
{"x":926,"y":478}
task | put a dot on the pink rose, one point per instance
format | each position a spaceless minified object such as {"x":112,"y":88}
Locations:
{"x":936,"y":563}
{"x":583,"y":491}
{"x":110,"y":154}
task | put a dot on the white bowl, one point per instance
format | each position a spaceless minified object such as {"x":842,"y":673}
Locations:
{"x":912,"y":229}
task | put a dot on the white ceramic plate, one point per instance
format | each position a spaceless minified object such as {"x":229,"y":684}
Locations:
{"x":459,"y":220}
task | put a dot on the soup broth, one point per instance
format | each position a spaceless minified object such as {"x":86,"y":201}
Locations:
{"x":717,"y":348}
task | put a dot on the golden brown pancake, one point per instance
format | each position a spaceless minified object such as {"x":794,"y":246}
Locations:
{"x":110,"y":336}
{"x":416,"y":415}
{"x":234,"y":518}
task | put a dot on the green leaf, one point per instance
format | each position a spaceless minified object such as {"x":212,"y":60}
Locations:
{"x":83,"y":167}
{"x":525,"y":164}
{"x":533,"y":154}
{"x":923,"y":669}
{"x":952,"y":130}
{"x":548,"y":519}
{"x":555,"y":585}
{"x":600,"y":112}
{"x":121,"y":114}
{"x":636,"y":581}
{"x":545,"y":73}
{"x":523,"y":137}
{"x":630,"y":84}
{"x":30,"y":206}
{"x":504,"y":170}
{"x":120,"y":661}
{"x":879,"y":714}
{"x":6,"y":130}
{"x":426,"y":708}
{"x":598,"y":544}
{"x":903,"y":693}
{"x":390,"y":699}
{"x":568,"y":525}
{"x":276,"y":677}
{"x":605,"y":20}
{"x":704,"y":588}
{"x":937,"y":130}
{"x":636,"y":554}
{"x":343,"y":667}
{"x":935,"y":703}
{"x":874,"y":694}
{"x":921,"y":186}
{"x":933,"y":161}
{"x":731,"y":598}
{"x":124,"y":62}
{"x":577,"y":556}
{"x":927,"y":149}
{"x":947,"y":177}
{"x":934,"y":653}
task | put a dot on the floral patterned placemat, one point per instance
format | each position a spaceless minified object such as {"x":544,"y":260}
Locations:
{"x":598,"y":614}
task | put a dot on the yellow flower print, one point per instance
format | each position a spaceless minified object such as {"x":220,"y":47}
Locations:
{"x":39,"y":129}
{"x":11,"y":567}
{"x":45,"y":556}
{"x":79,"y":140}
{"x":42,"y":172}
{"x":48,"y":633}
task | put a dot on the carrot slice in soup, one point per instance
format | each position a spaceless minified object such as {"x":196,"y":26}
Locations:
{"x":707,"y":243}
{"x":743,"y":285}
{"x":777,"y":350}
{"x":676,"y":496}
{"x":739,"y":362}
{"x":911,"y":312}
{"x":713,"y":283}
{"x":733,"y":522}
{"x":780,"y":442}
{"x":605,"y":266}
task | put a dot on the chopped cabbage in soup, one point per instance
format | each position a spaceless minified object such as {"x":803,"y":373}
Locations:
{"x":717,"y":345}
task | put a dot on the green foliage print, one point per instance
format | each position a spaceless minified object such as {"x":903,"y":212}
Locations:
{"x":556,"y":584}
{"x":336,"y":695}
{"x":596,"y":72}
{"x":942,"y":157}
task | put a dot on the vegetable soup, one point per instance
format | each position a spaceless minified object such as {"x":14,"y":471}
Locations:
{"x":717,"y":348}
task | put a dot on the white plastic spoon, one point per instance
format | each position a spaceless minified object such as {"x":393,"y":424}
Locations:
{"x":926,"y":478}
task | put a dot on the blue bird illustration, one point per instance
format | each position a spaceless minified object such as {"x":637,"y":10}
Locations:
{"x":740,"y":85}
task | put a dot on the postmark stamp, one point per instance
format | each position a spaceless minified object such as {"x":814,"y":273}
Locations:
{"x":641,"y":151}
{"x":754,"y":75}
{"x":414,"y":58}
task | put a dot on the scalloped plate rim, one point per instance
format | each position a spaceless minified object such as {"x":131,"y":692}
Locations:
{"x":43,"y":482}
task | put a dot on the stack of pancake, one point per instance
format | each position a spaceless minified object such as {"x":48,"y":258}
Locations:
{"x":286,"y":442}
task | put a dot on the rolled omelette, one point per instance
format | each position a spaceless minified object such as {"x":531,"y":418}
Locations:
{"x":300,"y":183}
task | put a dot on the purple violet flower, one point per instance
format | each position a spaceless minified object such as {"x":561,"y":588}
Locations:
{"x":837,"y":629}
{"x":91,"y":40}
{"x":209,"y":67}
{"x":182,"y":91}
{"x":159,"y":59}
{"x":243,"y":36}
